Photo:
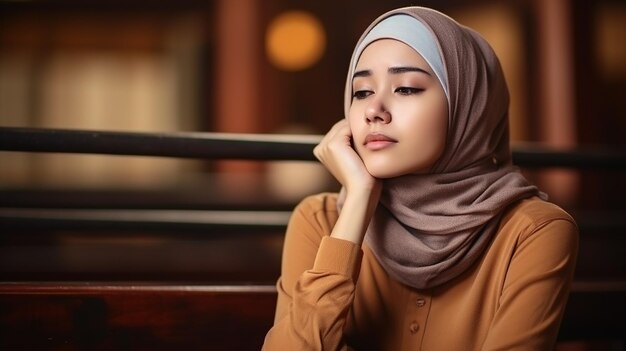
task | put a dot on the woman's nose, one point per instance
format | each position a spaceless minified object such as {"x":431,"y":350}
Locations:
{"x":376,"y":112}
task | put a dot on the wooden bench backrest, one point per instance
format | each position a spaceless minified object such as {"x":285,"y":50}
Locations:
{"x":40,"y":316}
{"x":129,"y":317}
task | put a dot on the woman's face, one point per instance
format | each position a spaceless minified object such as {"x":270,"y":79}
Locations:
{"x":399,"y":111}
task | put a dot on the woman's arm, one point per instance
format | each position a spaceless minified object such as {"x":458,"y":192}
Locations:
{"x":536,"y":289}
{"x":316,"y":287}
{"x":362,"y":190}
{"x":321,"y":264}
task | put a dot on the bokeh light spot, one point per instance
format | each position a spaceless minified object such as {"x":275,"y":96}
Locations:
{"x":295,"y":40}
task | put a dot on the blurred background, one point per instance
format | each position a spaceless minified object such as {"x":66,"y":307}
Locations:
{"x":252,"y":66}
{"x":279,"y":66}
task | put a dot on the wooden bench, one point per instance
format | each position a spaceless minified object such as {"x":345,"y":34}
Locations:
{"x":82,"y":316}
{"x":71,"y":316}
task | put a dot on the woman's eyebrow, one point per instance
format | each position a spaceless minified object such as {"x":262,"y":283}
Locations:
{"x":392,"y":70}
{"x":404,"y":69}
{"x":363,"y":73}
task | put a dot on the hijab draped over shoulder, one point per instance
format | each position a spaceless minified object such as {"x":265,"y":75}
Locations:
{"x":429,"y":228}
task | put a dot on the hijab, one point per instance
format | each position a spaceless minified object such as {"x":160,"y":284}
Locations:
{"x":430,"y":228}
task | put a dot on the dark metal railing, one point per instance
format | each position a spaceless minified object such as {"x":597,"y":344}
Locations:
{"x":240,"y":222}
{"x":212,"y":146}
{"x":263,"y":147}
{"x":179,"y":145}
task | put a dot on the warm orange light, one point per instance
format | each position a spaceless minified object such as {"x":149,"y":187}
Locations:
{"x":295,"y":40}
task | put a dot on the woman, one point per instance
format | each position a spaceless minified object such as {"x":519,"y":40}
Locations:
{"x":436,"y":242}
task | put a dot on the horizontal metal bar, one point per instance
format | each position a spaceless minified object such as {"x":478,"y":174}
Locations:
{"x":166,"y":198}
{"x":63,"y":287}
{"x":252,"y":147}
{"x":37,"y":287}
{"x":596,"y":158}
{"x":256,"y":218}
{"x":180,"y":145}
{"x":247,"y":222}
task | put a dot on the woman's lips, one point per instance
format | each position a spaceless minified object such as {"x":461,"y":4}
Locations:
{"x":377,"y":141}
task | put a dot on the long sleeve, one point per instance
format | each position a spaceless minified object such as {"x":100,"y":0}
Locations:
{"x":536,"y":288}
{"x":317,"y":283}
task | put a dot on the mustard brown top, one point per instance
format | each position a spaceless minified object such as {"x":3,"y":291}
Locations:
{"x":334,"y":295}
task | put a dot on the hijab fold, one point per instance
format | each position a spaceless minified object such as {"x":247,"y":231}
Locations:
{"x":430,"y":228}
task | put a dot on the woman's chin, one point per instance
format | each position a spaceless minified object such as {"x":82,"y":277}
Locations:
{"x":382,"y":172}
{"x":386,"y":171}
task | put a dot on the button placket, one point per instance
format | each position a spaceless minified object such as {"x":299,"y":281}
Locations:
{"x":416,"y":318}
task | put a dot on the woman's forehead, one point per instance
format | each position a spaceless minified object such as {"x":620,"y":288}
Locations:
{"x":391,"y":53}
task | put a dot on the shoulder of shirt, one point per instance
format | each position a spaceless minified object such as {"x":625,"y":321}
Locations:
{"x":315,"y":215}
{"x":535,"y":213}
{"x":322,"y":202}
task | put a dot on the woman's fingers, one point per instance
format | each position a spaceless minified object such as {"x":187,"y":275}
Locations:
{"x":334,"y":146}
{"x":335,"y":152}
{"x":340,"y":129}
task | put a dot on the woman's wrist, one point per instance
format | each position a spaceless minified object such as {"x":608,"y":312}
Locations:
{"x":356,"y":213}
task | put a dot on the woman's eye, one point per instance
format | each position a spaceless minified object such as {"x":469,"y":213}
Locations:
{"x":361,"y":94}
{"x":408,"y":90}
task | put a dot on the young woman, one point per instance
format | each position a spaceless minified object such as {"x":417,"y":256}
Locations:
{"x":436,"y":241}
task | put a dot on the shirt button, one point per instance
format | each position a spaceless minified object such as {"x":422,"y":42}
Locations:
{"x":414,"y":327}
{"x":421,"y":302}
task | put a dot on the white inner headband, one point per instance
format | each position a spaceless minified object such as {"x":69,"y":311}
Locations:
{"x":413,"y":33}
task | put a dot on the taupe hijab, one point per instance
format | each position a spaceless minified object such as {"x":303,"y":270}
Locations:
{"x":429,"y":228}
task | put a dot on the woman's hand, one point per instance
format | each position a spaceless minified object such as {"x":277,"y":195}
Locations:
{"x":336,"y":153}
